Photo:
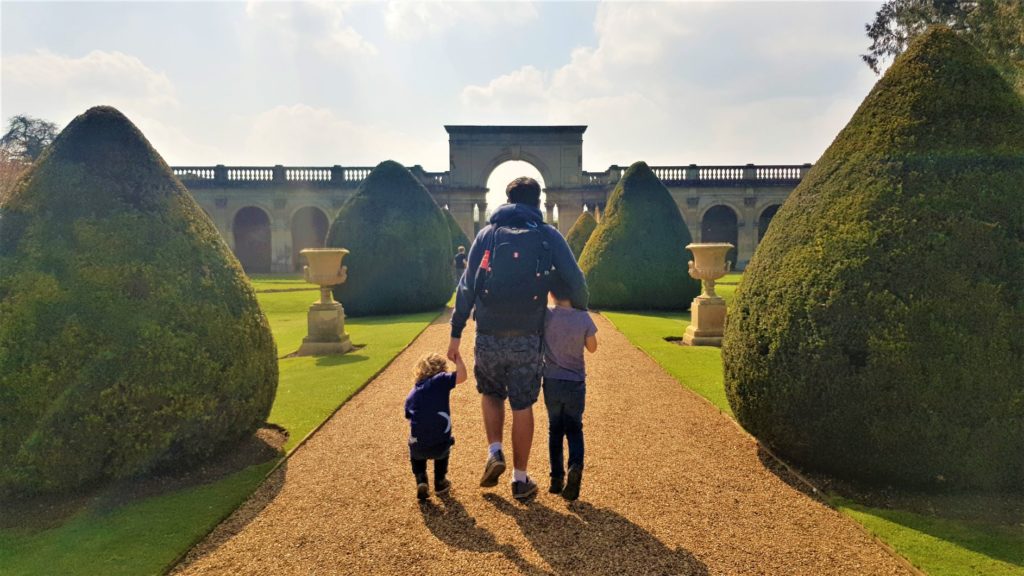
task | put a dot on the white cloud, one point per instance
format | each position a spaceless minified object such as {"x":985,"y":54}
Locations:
{"x":58,"y":88}
{"x":56,"y":83}
{"x":304,"y":135}
{"x":675,"y":83}
{"x":318,"y":26}
{"x":413,"y":20}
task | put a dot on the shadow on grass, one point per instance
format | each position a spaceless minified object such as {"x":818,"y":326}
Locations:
{"x":595,"y":541}
{"x":454,"y":526}
{"x":991,"y":524}
{"x":341,"y":360}
{"x":239,"y":519}
{"x":35,"y":514}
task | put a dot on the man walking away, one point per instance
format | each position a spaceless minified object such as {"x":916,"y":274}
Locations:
{"x":512,"y":263}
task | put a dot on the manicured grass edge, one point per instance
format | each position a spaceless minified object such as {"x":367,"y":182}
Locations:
{"x":288,"y":454}
{"x":817,"y":493}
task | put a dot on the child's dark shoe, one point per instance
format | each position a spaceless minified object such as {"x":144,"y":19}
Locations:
{"x":572,"y":484}
{"x":422,"y":488}
{"x":557,"y":483}
{"x":441,"y":488}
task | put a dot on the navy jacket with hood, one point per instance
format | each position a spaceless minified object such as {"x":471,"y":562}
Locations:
{"x":466,"y":301}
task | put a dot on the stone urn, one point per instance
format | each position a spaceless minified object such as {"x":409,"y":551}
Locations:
{"x":707,"y":313}
{"x":326,"y":317}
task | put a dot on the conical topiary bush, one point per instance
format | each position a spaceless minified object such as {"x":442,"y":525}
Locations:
{"x":637,"y":258}
{"x":129,"y":338}
{"x":459,"y":237}
{"x":580,"y":233}
{"x":879,"y":329}
{"x":400,"y":246}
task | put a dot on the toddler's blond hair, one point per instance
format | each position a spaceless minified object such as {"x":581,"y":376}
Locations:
{"x":429,"y":365}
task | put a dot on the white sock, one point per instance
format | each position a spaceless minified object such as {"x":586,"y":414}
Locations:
{"x":519,"y":475}
{"x":493,"y":448}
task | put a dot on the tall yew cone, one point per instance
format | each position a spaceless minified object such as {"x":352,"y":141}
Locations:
{"x":879,"y":329}
{"x":129,"y":338}
{"x":401,"y":249}
{"x":580,"y":233}
{"x":636,"y":258}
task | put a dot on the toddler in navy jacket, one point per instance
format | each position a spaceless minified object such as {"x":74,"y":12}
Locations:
{"x":430,"y":422}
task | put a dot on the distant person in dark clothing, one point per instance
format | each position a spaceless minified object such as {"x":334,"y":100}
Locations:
{"x":567,"y":332}
{"x":427,"y":409}
{"x":511,"y":264}
{"x":460,"y":263}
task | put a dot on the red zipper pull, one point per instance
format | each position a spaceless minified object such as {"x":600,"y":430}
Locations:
{"x":485,"y":262}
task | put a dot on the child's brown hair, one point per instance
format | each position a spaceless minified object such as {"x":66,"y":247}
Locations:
{"x":429,"y":365}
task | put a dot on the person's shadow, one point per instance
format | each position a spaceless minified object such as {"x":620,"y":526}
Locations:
{"x":453,"y":525}
{"x":596,"y":542}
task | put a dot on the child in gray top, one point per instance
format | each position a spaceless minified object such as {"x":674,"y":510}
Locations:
{"x":567,"y":331}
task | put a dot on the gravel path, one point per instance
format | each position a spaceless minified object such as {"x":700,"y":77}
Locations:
{"x":671,"y":487}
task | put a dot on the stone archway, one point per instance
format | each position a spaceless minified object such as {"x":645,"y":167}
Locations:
{"x":721,"y":224}
{"x":765,"y":219}
{"x":309,"y":230}
{"x":251,"y":227}
{"x":475,"y":151}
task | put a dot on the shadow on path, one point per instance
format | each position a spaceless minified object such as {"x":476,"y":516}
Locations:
{"x":454,"y":526}
{"x":625,"y":548}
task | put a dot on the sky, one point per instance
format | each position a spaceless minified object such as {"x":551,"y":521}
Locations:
{"x":354,"y":83}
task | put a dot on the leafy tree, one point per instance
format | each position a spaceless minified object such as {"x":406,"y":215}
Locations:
{"x":995,"y":27}
{"x":27,"y":137}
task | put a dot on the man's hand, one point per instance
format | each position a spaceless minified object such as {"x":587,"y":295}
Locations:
{"x":453,"y":349}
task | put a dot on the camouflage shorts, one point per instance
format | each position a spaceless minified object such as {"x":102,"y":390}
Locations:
{"x":509,"y":367}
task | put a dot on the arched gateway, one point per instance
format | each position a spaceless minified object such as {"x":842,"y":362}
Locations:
{"x":474,"y":152}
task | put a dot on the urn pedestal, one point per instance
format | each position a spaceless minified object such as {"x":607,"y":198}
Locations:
{"x":326,"y":317}
{"x":707,"y":312}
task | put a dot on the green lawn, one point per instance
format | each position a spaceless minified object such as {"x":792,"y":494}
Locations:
{"x":104,"y":536}
{"x":942,"y":535}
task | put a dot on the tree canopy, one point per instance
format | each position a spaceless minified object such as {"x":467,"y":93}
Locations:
{"x":26,"y":138}
{"x":995,"y":27}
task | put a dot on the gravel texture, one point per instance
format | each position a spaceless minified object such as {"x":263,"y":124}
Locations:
{"x":671,"y":487}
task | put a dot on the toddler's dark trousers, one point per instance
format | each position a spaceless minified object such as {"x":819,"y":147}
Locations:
{"x":565,"y":400}
{"x":418,"y":458}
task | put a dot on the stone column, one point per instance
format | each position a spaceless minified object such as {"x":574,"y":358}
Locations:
{"x":463,"y":213}
{"x":549,"y":215}
{"x":483,"y":219}
{"x":747,"y":239}
{"x":280,"y":245}
{"x":568,"y":212}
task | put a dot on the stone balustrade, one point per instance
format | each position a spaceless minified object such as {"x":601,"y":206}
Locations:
{"x":347,"y":176}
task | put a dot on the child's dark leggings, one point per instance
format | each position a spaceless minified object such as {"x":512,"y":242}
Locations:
{"x":565,"y":401}
{"x":419,"y":467}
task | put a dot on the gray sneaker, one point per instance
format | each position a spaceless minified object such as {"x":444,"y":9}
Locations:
{"x":494,"y":468}
{"x":422,"y":488}
{"x":522,"y":491}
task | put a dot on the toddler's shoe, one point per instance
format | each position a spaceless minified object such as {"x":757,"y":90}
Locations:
{"x":557,"y":483}
{"x":495,"y":467}
{"x":422,"y":488}
{"x":572,"y":483}
{"x":441,"y":488}
{"x":522,"y":491}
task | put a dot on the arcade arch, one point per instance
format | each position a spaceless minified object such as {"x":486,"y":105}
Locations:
{"x":251,"y":226}
{"x":499,"y":178}
{"x":309,"y":230}
{"x":721,"y":224}
{"x":765,"y":219}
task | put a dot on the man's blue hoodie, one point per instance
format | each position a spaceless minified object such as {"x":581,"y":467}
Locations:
{"x":528,"y":322}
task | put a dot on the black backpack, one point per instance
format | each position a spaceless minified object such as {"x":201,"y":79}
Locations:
{"x":515,"y":272}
